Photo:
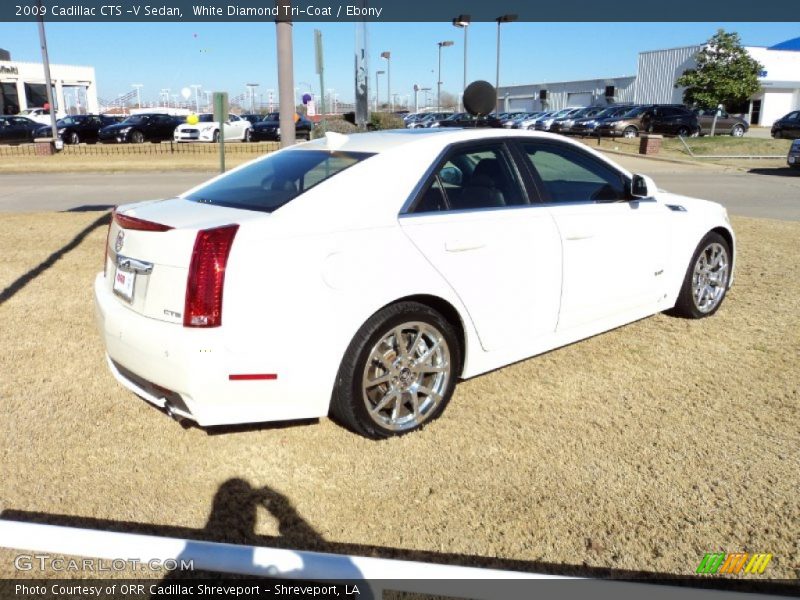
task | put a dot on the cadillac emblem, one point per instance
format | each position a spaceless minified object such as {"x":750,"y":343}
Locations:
{"x":120,"y":241}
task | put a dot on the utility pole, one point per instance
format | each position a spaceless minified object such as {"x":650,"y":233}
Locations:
{"x":439,"y":82}
{"x":47,"y":80}
{"x":252,"y":87}
{"x":377,"y":87}
{"x":283,"y":24}
{"x":502,"y":19}
{"x":388,"y":57}
{"x":320,"y":65}
{"x":463,"y":22}
{"x":196,"y":87}
{"x":138,"y":87}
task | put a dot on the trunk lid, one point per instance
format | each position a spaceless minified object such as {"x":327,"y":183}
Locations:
{"x":148,"y":256}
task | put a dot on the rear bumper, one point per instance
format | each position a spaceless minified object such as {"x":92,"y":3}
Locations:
{"x":188,"y":370}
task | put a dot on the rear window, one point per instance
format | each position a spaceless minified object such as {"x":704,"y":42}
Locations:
{"x":268,"y":184}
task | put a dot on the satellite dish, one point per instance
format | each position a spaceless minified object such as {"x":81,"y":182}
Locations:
{"x":186,"y":93}
{"x":480,"y":98}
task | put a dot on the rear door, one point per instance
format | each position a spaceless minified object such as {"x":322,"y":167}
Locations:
{"x":473,"y":221}
{"x":614,"y":249}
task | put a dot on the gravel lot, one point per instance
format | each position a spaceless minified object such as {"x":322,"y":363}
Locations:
{"x":641,"y":449}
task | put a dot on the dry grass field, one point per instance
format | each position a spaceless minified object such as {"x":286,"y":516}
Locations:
{"x":636,"y":451}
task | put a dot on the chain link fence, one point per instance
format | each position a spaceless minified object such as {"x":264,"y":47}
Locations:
{"x":167,"y":148}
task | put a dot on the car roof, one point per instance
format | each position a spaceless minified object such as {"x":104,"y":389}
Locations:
{"x":381,"y":141}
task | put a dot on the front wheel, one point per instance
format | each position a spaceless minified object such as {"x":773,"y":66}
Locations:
{"x":683,"y":131}
{"x":398,"y":373}
{"x":630,"y":132}
{"x":74,"y":138}
{"x":137,"y":137}
{"x":247,"y":135}
{"x":737,"y":131}
{"x":706,"y":281}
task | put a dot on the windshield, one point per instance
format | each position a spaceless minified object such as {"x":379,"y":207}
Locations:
{"x":635,"y":112}
{"x":205,"y":118}
{"x":272,"y":117}
{"x":136,"y":119}
{"x":270,"y":183}
{"x":66,"y":122}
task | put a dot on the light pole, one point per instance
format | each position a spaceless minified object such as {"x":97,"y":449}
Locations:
{"x":463,"y":22}
{"x":252,"y":87}
{"x":502,"y":19}
{"x":388,"y":57}
{"x":196,"y":86}
{"x":208,"y":97}
{"x":439,"y":82}
{"x":332,"y":96}
{"x":138,"y":87}
{"x":377,"y":87}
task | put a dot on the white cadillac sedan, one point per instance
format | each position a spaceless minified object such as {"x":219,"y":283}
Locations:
{"x":362,"y":276}
{"x":208,"y":130}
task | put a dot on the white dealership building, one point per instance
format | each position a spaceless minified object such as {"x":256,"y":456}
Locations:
{"x":22,"y":85}
{"x":654,"y":82}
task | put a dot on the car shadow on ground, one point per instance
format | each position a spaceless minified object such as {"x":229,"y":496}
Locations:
{"x":779,"y":171}
{"x":233,"y":520}
{"x":23,"y":280}
{"x":90,"y":208}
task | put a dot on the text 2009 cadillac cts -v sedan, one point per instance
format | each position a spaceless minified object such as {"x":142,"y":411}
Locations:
{"x":361,"y":276}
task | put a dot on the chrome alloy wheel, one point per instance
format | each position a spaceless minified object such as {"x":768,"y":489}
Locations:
{"x":406,"y":376}
{"x":710,"y":277}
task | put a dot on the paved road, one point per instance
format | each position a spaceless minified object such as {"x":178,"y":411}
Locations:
{"x":770,"y":193}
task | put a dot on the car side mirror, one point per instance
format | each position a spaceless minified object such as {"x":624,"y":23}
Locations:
{"x":642,"y":187}
{"x":450,"y":175}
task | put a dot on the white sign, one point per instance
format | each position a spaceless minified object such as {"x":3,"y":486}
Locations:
{"x":311,"y":108}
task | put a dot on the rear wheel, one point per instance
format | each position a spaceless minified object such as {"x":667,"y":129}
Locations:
{"x":74,"y":138}
{"x":246,"y":135}
{"x":215,"y":138}
{"x":137,"y":137}
{"x":706,"y":281}
{"x":683,"y":131}
{"x":737,"y":131}
{"x":630,"y":132}
{"x":398,"y":373}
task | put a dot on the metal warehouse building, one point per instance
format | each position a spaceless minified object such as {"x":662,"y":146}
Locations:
{"x":655,"y":83}
{"x":558,"y":95}
{"x":22,"y":85}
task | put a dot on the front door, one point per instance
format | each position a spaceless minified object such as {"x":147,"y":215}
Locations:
{"x":501,"y":255}
{"x":614,"y":247}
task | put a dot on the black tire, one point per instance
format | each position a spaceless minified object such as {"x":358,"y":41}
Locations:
{"x":630,"y":132}
{"x":137,"y":137}
{"x":683,"y":131}
{"x":74,"y":138}
{"x":778,"y":134}
{"x":215,"y":138}
{"x":247,"y":136}
{"x":737,"y":131}
{"x":687,"y":306}
{"x":349,"y":401}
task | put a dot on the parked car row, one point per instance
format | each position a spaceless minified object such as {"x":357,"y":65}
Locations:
{"x":149,"y":127}
{"x":624,"y":120}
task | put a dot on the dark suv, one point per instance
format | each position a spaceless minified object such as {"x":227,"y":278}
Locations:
{"x":670,"y":119}
{"x":787,"y":126}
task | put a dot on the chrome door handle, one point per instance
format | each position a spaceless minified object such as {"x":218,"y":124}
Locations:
{"x":463,"y":245}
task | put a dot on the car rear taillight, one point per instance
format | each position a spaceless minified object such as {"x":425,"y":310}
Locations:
{"x":203,"y":307}
{"x":108,"y":236}
{"x":138,"y":224}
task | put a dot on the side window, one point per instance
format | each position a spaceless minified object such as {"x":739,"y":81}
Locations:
{"x":232,"y":118}
{"x":473,"y":178}
{"x":570,"y":175}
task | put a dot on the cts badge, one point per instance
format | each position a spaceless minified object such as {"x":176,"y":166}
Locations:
{"x":120,"y":241}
